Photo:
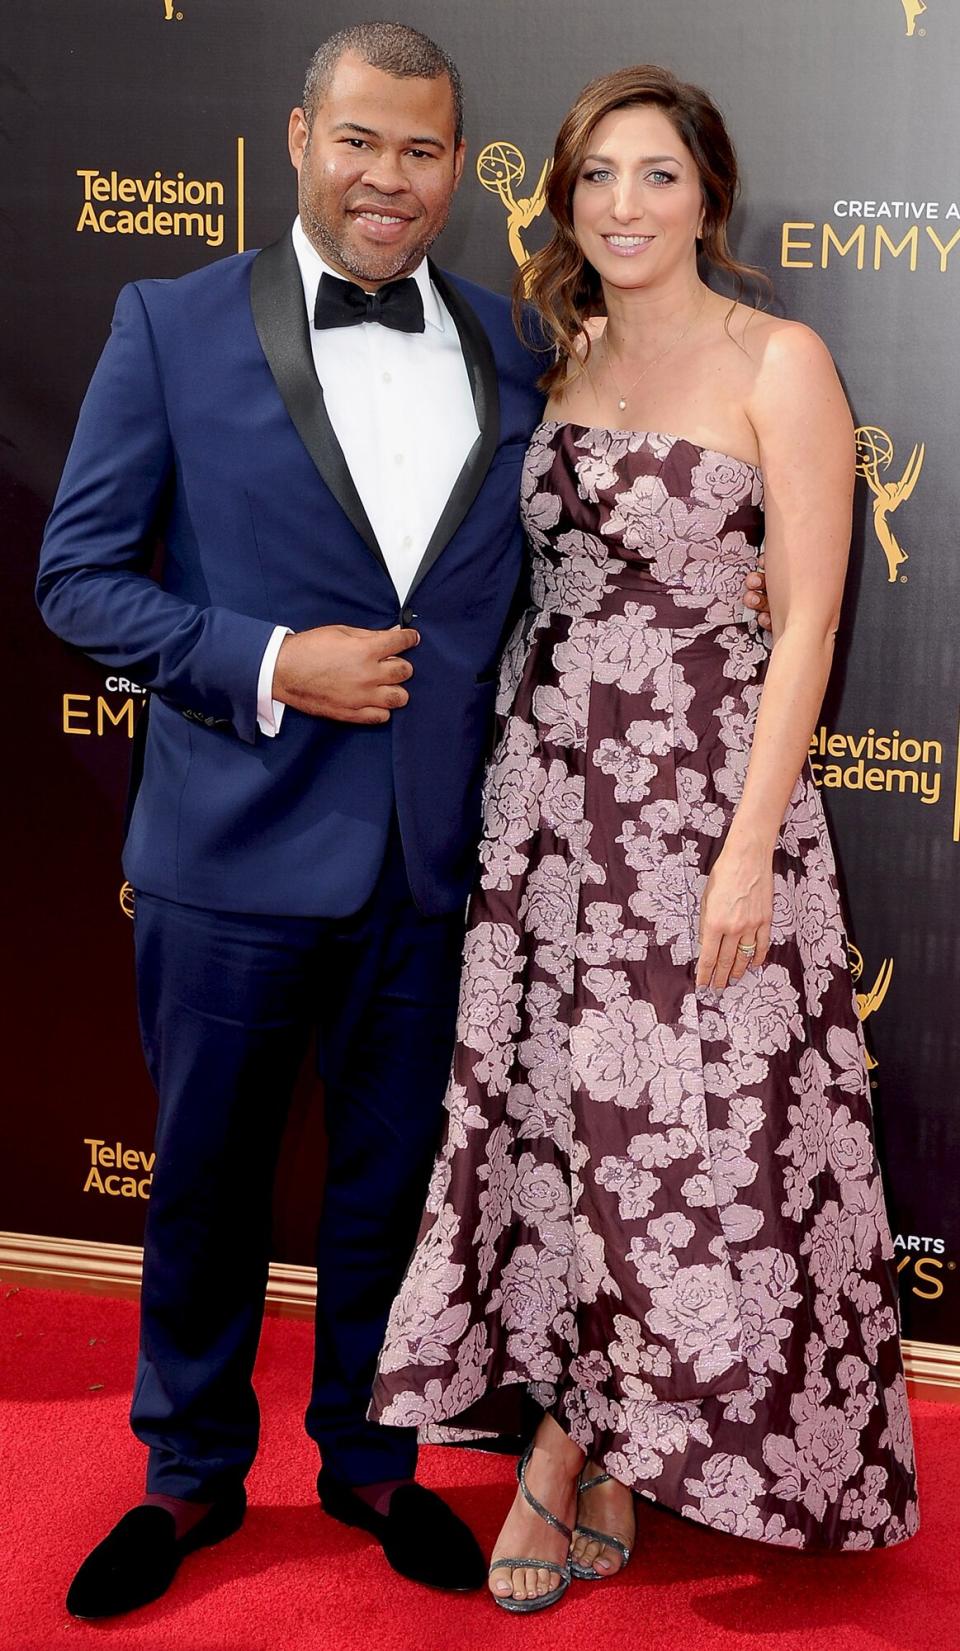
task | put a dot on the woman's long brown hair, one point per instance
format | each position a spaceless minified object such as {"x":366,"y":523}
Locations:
{"x":558,"y":285}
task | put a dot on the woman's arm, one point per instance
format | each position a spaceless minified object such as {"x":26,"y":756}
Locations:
{"x":805,"y":435}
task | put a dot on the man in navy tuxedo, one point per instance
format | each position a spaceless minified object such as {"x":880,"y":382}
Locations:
{"x":327,"y":438}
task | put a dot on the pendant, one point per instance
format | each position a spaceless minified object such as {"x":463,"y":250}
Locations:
{"x":622,"y":406}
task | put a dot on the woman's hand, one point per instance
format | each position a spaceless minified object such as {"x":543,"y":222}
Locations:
{"x":755,"y":595}
{"x":735,"y":914}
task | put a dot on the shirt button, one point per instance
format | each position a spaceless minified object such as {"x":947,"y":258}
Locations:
{"x":388,"y":378}
{"x":398,"y":458}
{"x":406,"y":542}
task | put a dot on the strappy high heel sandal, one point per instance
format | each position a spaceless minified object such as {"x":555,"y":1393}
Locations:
{"x":523,"y":1607}
{"x":587,"y":1573}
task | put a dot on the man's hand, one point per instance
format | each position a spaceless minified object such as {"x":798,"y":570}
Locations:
{"x":345,"y":673}
{"x":755,"y":596}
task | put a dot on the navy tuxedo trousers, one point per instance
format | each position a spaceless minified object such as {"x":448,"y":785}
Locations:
{"x":228,"y":1004}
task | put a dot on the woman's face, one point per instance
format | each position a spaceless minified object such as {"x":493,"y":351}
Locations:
{"x":637,"y":202}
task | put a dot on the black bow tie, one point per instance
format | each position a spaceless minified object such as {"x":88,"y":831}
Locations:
{"x":343,"y":304}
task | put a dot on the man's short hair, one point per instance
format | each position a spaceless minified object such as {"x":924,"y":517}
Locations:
{"x":392,"y":47}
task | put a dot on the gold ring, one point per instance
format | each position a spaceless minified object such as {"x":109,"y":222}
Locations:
{"x":747,"y":951}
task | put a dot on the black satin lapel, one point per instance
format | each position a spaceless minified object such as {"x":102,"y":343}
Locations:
{"x":280,"y":317}
{"x":482,"y":372}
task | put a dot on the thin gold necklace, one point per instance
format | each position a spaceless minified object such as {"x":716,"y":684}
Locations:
{"x":623,"y":399}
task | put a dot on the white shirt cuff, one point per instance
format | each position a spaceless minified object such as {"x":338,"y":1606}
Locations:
{"x":270,"y":710}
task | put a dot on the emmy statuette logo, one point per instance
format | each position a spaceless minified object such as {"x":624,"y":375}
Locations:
{"x":913,"y":10}
{"x":874,"y":456}
{"x":869,"y":1002}
{"x":127,"y":899}
{"x":500,"y":166}
{"x":170,"y":12}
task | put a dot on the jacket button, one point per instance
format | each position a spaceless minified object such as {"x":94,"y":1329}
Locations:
{"x":407,"y":616}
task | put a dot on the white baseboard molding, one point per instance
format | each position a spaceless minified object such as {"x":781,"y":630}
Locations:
{"x":114,"y":1269}
{"x":933,"y":1368}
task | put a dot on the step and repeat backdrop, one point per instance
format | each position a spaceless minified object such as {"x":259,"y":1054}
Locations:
{"x":145,"y":137}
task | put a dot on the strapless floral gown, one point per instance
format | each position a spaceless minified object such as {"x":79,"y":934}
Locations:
{"x":657,"y":1207}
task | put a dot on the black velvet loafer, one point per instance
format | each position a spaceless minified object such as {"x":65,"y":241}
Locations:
{"x":139,"y":1559}
{"x":420,"y":1536}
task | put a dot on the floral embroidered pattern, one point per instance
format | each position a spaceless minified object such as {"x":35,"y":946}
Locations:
{"x":657,"y":1208}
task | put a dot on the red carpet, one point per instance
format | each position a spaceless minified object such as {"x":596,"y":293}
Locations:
{"x":292,"y":1580}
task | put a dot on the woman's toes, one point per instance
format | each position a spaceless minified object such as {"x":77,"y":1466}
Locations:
{"x":603,"y":1562}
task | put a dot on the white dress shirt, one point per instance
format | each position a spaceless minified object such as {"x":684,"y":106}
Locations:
{"x":402,"y":410}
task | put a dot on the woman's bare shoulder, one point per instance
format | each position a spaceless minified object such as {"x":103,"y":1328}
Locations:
{"x":764,"y":336}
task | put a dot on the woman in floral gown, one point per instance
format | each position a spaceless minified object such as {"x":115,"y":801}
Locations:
{"x":657,"y":1205}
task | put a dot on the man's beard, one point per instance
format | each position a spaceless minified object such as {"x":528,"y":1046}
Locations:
{"x":329,"y":244}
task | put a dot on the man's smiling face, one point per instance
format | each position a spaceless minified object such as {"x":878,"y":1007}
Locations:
{"x":377,"y":167}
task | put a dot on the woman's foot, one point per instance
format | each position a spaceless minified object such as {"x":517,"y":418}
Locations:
{"x":552,"y":1474}
{"x":608,"y":1507}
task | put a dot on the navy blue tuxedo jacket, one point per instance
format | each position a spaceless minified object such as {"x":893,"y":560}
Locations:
{"x":204,"y":427}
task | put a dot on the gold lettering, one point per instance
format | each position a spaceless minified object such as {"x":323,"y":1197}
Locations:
{"x":185,"y":223}
{"x":903,"y":780}
{"x":830,"y":237}
{"x":115,"y":1158}
{"x":788,"y":245}
{"x":124,"y":712}
{"x":881,"y":239}
{"x":936,"y":1292}
{"x":70,"y":715}
{"x":87,"y":218}
{"x":109,"y":220}
{"x":944,"y":251}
